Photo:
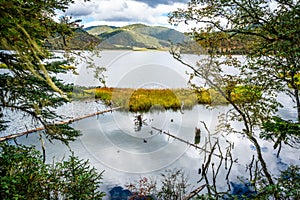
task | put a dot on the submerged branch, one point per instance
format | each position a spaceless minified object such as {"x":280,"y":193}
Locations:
{"x":12,"y":136}
{"x":247,"y":124}
{"x":186,"y":142}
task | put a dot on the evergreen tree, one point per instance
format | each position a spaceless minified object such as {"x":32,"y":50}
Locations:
{"x":30,"y":88}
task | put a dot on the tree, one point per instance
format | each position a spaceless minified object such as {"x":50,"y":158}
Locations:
{"x":30,"y":88}
{"x":272,"y":62}
{"x":275,"y":52}
{"x":24,"y":175}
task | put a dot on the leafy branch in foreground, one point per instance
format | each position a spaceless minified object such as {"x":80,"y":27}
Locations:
{"x":281,"y":131}
{"x":273,"y":56}
{"x":35,"y":99}
{"x":24,"y":175}
{"x":172,"y":185}
{"x":271,"y":64}
{"x":29,"y":89}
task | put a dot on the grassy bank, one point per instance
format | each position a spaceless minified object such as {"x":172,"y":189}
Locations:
{"x":143,"y":99}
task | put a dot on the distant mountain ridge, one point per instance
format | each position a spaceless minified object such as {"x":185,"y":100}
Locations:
{"x":96,"y":30}
{"x":136,"y":36}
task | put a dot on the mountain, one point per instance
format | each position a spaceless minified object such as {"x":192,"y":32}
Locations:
{"x":83,"y":40}
{"x":79,"y":40}
{"x":96,"y":30}
{"x":136,"y":36}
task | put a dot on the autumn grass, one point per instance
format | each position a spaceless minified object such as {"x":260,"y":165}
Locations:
{"x":141,"y":100}
{"x":3,"y":66}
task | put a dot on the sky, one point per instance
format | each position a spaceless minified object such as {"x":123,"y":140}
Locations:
{"x":125,"y":12}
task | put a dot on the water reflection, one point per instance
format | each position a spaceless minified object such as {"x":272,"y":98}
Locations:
{"x":139,"y":122}
{"x":111,"y":143}
{"x":126,"y":146}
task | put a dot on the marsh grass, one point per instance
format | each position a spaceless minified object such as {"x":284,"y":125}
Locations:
{"x":142,"y":100}
{"x":3,"y":66}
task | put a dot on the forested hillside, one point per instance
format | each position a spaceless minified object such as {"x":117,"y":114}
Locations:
{"x":136,"y":36}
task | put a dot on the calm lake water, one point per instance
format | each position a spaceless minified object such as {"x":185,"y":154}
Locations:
{"x":114,"y":143}
{"x":134,"y":69}
{"x":138,"y":69}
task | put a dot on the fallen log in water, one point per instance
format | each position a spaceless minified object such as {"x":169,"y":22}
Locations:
{"x":12,"y":136}
{"x":186,"y":142}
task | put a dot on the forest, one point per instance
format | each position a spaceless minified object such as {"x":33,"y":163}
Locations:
{"x":269,"y":38}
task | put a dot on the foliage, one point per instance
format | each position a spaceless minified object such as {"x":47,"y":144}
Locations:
{"x":223,"y":43}
{"x":173,"y":185}
{"x":279,"y":130}
{"x":286,"y":187}
{"x":23,"y":173}
{"x":36,"y":100}
{"x":274,"y":54}
{"x":78,"y":179}
{"x":288,"y":183}
{"x":272,"y":66}
{"x":30,"y":88}
{"x":2,"y":122}
{"x":80,"y":40}
{"x":25,"y":176}
{"x":143,"y":189}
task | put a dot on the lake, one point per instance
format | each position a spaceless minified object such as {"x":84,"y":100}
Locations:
{"x":134,"y":69}
{"x":126,"y":151}
{"x":138,"y":69}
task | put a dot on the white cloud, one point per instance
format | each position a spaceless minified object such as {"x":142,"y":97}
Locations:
{"x":121,"y":12}
{"x":81,"y":8}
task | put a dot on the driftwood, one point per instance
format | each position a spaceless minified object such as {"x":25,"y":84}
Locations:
{"x":12,"y":136}
{"x":184,"y":141}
